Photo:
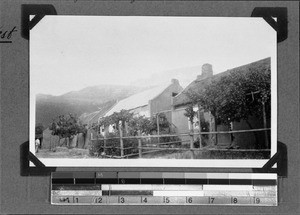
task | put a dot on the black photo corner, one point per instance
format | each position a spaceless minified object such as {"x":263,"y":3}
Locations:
{"x":267,"y":13}
{"x":51,"y":189}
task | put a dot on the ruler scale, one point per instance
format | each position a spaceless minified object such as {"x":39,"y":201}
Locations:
{"x":163,"y":188}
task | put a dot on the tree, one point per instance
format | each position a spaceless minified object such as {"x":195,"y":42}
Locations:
{"x":236,"y":97}
{"x":120,"y":118}
{"x":140,"y":123}
{"x":148,"y":125}
{"x":103,"y":122}
{"x":39,"y":129}
{"x":116,"y":119}
{"x":67,"y":127}
{"x":135,"y":123}
{"x":161,"y":123}
{"x":190,"y":113}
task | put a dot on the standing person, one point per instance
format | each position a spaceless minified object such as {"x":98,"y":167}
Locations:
{"x":39,"y":129}
{"x":37,"y":145}
{"x":41,"y":141}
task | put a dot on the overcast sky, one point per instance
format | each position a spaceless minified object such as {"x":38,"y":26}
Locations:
{"x":72,"y":52}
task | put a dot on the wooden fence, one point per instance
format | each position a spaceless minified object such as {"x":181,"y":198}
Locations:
{"x":144,"y":146}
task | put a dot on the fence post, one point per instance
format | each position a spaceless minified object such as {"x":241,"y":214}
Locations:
{"x":126,"y":129}
{"x":50,"y":143}
{"x":231,"y":134}
{"x":104,"y":142}
{"x":200,"y":139}
{"x":192,"y":140}
{"x":192,"y":146}
{"x":199,"y":121}
{"x":121,"y":141}
{"x":140,"y":144}
{"x":157,"y":124}
{"x":214,"y":128}
{"x":265,"y":125}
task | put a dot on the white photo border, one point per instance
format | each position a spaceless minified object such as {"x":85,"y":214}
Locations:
{"x":161,"y":163}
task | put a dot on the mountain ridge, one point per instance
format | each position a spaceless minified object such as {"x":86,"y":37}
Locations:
{"x":86,"y":100}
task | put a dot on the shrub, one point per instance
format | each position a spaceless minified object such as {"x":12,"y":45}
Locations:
{"x":132,"y":145}
{"x":236,"y":155}
{"x":113,"y":146}
{"x":204,"y":142}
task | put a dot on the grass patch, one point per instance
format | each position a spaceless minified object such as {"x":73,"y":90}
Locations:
{"x":63,"y":152}
{"x":208,"y":154}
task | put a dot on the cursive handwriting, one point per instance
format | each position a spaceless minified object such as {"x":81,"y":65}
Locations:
{"x":7,"y":33}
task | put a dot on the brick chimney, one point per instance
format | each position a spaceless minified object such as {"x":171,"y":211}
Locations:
{"x":206,"y":72}
{"x":174,"y":81}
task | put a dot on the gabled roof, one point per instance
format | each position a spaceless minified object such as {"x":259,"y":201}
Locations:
{"x":138,"y":100}
{"x":182,"y":99}
{"x":90,"y":118}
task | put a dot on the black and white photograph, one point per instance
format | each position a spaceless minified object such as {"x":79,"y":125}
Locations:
{"x":153,"y":91}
